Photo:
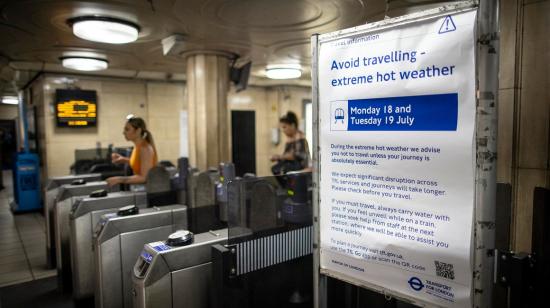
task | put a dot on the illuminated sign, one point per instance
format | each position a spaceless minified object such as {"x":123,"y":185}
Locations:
{"x":76,"y":108}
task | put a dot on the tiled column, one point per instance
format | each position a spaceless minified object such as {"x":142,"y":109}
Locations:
{"x":207,"y":86}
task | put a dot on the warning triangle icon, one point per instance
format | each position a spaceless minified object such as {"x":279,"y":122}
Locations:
{"x":448,"y":25}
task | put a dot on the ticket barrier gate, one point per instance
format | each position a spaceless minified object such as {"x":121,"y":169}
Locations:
{"x":272,"y":266}
{"x":118,"y":240}
{"x":203,"y":210}
{"x":157,"y":183}
{"x":179,"y":182}
{"x":50,"y":193}
{"x":167,"y":275}
{"x":521,"y":278}
{"x":227,"y":174}
{"x":201,"y":188}
{"x":66,"y":198}
{"x":84,"y":216}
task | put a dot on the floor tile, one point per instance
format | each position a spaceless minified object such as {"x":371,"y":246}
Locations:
{"x":22,"y":243}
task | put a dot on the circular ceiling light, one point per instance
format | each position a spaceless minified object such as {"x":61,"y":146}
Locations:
{"x":84,"y":64}
{"x":283,"y":71}
{"x":104,"y":29}
{"x":11,"y":100}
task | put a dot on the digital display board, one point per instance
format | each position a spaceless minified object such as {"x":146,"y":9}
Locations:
{"x":76,"y":108}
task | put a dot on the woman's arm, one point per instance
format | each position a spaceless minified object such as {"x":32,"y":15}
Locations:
{"x":146,"y":155}
{"x":133,"y":179}
{"x":287,"y":156}
{"x":119,"y":159}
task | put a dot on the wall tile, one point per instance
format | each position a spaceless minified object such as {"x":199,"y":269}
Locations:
{"x":165,"y":89}
{"x":505,"y":139}
{"x":528,"y":179}
{"x":535,"y":105}
{"x":508,"y":17}
{"x":161,"y":106}
{"x":125,"y":87}
{"x":530,"y":2}
{"x":8,"y":112}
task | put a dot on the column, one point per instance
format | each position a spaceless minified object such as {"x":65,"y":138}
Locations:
{"x":207,"y":87}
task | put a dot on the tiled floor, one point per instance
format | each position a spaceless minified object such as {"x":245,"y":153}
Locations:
{"x":22,"y":242}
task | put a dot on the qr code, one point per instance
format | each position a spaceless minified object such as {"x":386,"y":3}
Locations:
{"x":445,"y":270}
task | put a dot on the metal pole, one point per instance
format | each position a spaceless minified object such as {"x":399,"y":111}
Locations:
{"x":486,"y":141}
{"x":319,"y":285}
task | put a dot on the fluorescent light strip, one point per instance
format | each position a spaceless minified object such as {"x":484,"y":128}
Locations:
{"x":105,"y":30}
{"x":11,"y":100}
{"x":283,"y":71}
{"x":84,"y":64}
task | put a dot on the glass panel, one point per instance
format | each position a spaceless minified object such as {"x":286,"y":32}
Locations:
{"x":309,"y":124}
{"x":270,"y":237}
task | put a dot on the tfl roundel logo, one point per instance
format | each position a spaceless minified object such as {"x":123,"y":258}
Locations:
{"x":416,"y":284}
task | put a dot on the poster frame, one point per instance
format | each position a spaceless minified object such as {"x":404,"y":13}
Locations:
{"x":483,"y":233}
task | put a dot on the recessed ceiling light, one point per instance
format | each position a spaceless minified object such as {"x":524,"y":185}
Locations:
{"x":84,"y":64}
{"x":283,"y":71}
{"x":12,"y":100}
{"x":104,"y":29}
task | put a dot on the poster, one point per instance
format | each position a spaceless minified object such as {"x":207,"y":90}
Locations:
{"x":397,"y":157}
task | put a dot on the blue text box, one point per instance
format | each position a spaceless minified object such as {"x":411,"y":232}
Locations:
{"x":435,"y":112}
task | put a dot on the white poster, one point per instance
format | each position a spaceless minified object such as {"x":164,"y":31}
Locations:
{"x":397,"y":158}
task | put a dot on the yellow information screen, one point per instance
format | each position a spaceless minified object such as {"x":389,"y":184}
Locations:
{"x":76,"y":108}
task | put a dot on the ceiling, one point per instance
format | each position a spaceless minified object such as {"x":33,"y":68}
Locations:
{"x":35,"y":33}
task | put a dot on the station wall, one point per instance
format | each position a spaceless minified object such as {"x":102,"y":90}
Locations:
{"x":8,"y":112}
{"x":269,"y":105}
{"x":160,"y":104}
{"x":524,"y":109}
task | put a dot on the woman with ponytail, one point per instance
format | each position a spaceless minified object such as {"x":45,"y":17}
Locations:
{"x":144,"y":154}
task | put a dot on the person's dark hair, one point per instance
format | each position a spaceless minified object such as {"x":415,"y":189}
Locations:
{"x":289,"y":118}
{"x":136,"y":123}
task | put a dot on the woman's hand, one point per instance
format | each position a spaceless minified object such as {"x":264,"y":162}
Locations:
{"x":117,"y":158}
{"x":275,"y":157}
{"x":114,"y":180}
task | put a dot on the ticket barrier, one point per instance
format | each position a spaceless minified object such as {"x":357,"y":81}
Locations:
{"x":272,"y":266}
{"x":203,"y":210}
{"x":118,"y":240}
{"x":84,"y":216}
{"x":179,"y":181}
{"x":201,"y":188}
{"x":67,"y":196}
{"x":176,"y":272}
{"x":50,"y":193}
{"x":227,"y":174}
{"x":158,"y":182}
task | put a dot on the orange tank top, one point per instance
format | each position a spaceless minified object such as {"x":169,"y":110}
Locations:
{"x":135,"y":158}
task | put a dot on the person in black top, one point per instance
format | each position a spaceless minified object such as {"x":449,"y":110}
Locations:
{"x":296,"y":154}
